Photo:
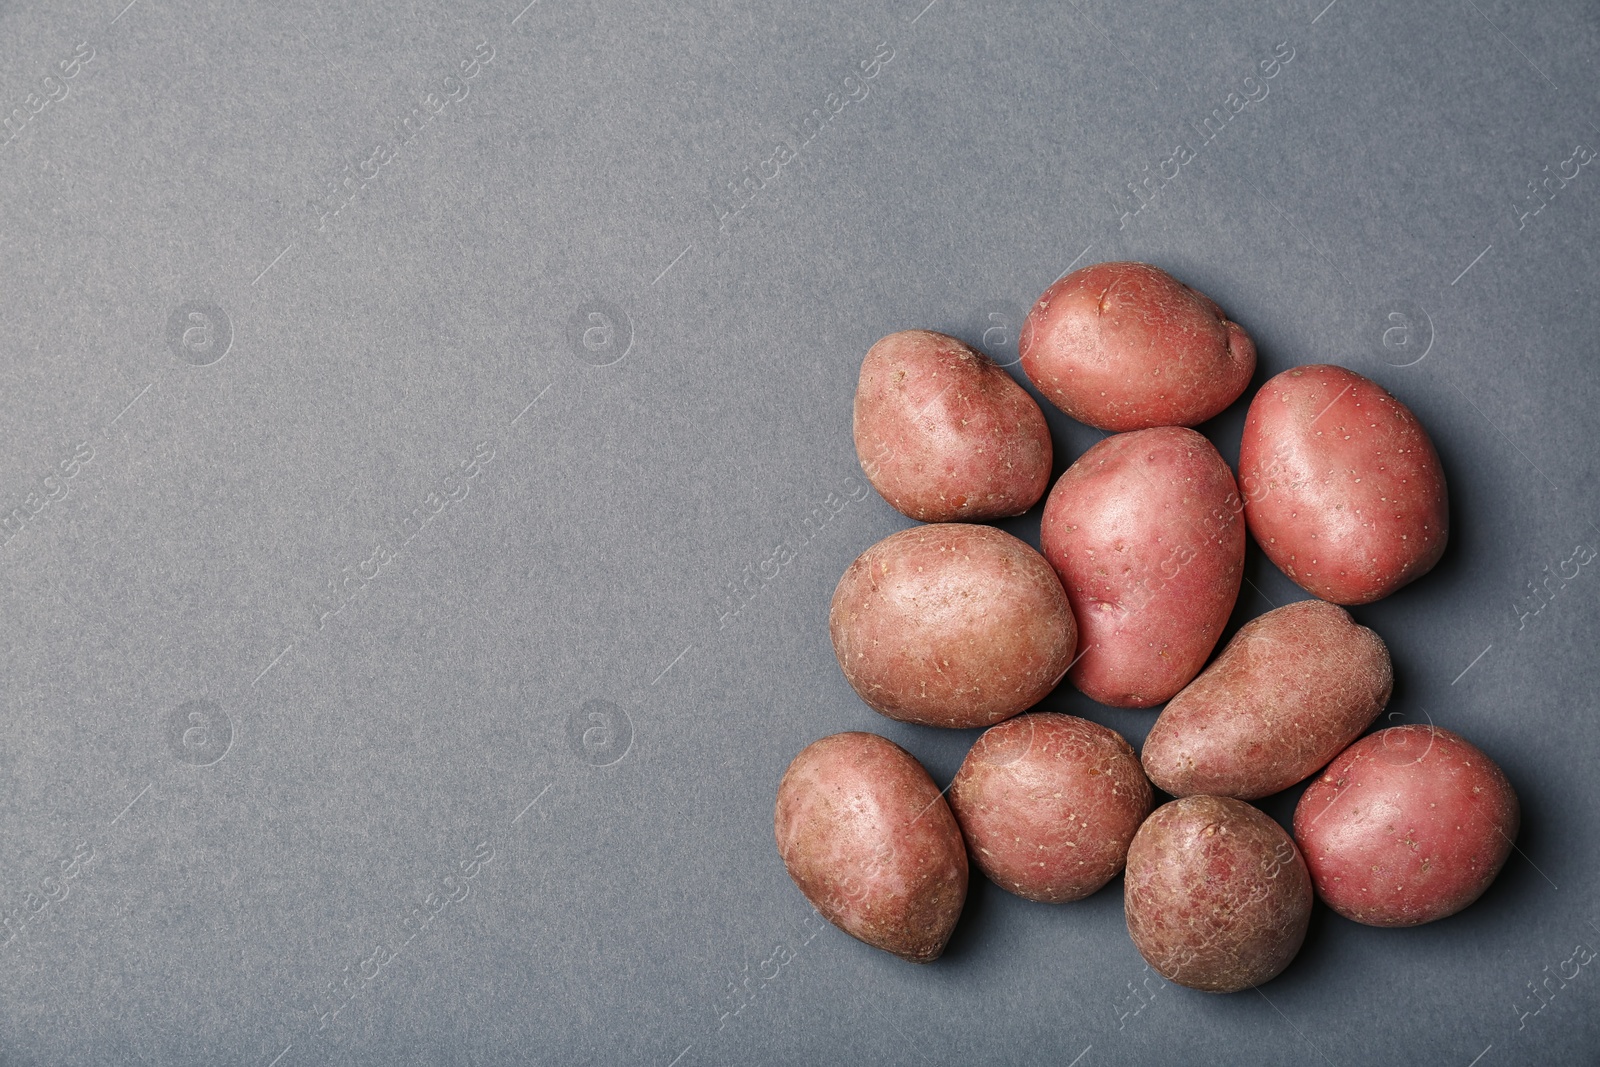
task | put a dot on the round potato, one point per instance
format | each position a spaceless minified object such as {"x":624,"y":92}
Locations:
{"x":868,"y":838}
{"x":1144,"y":530}
{"x":944,"y":434}
{"x":1343,"y":490}
{"x":1217,"y":896}
{"x":1408,"y":825}
{"x":1288,"y":693}
{"x":1126,"y":346}
{"x":1048,"y":804}
{"x":951,"y":625}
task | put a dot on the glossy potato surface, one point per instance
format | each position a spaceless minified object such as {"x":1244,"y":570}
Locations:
{"x":1343,"y":489}
{"x":944,"y":434}
{"x":1126,"y":346}
{"x":865,"y":834}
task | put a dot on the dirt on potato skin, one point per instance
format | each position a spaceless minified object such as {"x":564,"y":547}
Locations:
{"x":1216,"y":894}
{"x":868,"y":838}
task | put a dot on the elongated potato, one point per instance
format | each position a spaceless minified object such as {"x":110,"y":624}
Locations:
{"x":1126,"y":346}
{"x":951,"y":625}
{"x":1216,"y":895}
{"x":1048,"y":804}
{"x":944,"y":434}
{"x":1408,"y":825}
{"x":868,"y":838}
{"x":1145,"y":532}
{"x":1291,"y":690}
{"x":1343,"y":489}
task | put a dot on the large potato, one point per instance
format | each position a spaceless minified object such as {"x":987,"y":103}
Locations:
{"x":1126,"y":346}
{"x":1343,"y":490}
{"x":1291,"y":690}
{"x":1408,"y":825}
{"x":1048,"y":804}
{"x":946,"y":435}
{"x":1144,"y":530}
{"x":951,"y":625}
{"x":1217,"y":896}
{"x":869,"y":840}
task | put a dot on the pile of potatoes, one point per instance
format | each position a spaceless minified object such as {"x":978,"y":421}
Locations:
{"x":958,"y":624}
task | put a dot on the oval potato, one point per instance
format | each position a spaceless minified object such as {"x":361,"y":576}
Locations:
{"x":944,"y":434}
{"x":1408,"y":825}
{"x":1048,"y":804}
{"x":868,"y":838}
{"x":1145,"y":532}
{"x":1343,"y":488}
{"x":951,"y":625}
{"x":1287,"y":694}
{"x":1216,"y":895}
{"x":1126,"y":346}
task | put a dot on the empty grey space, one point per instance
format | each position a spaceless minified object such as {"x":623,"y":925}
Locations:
{"x":405,"y":403}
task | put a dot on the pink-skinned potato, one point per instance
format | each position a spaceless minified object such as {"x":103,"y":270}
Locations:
{"x":1343,"y":489}
{"x":1126,"y":346}
{"x":866,"y":835}
{"x":944,"y":434}
{"x":1291,"y":690}
{"x":1145,"y":532}
{"x":1216,"y":895}
{"x":951,"y":624}
{"x":1048,"y":803}
{"x":1410,"y":824}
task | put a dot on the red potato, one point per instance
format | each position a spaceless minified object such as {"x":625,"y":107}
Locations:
{"x":1217,"y":896}
{"x":1408,"y":825}
{"x":951,"y":625}
{"x":944,"y":434}
{"x":1144,"y":530}
{"x":1126,"y":346}
{"x":1343,"y":489}
{"x":1048,"y":804}
{"x":868,"y":838}
{"x":1288,"y":693}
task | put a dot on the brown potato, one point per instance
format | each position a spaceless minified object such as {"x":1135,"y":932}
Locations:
{"x":868,"y":838}
{"x":1217,"y":896}
{"x":1408,"y":825}
{"x":1144,"y":530}
{"x":1291,"y":690}
{"x":944,"y":434}
{"x":1126,"y":346}
{"x":951,"y":625}
{"x":1048,"y":804}
{"x":1343,"y":489}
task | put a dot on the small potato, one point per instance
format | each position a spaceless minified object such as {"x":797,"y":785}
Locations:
{"x":944,"y":434}
{"x":1408,"y":825}
{"x":870,"y":841}
{"x":952,"y":625}
{"x":1048,"y":804}
{"x":1126,"y":346}
{"x":1291,"y":690}
{"x":1144,"y":530}
{"x":1342,"y":487}
{"x":1217,"y":896}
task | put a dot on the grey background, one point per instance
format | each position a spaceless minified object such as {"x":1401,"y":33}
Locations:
{"x":234,"y":868}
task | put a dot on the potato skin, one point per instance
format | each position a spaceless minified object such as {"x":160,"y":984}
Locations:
{"x":1126,"y":346}
{"x":1145,"y":532}
{"x":868,"y":838}
{"x":1048,"y":804}
{"x":1217,"y":896}
{"x":1343,"y":488}
{"x":951,"y":625}
{"x":945,"y":435}
{"x":1288,"y":693}
{"x":1408,"y":825}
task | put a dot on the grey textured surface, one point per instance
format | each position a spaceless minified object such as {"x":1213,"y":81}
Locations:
{"x":258,"y":706}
